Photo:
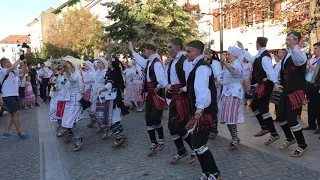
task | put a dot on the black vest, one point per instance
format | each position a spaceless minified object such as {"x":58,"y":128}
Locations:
{"x":179,"y":70}
{"x":152,"y":75}
{"x":258,"y":74}
{"x":292,"y":77}
{"x":212,"y":108}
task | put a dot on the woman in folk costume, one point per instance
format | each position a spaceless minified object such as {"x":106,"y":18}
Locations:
{"x":99,"y":82}
{"x":60,"y":84}
{"x":73,"y":108}
{"x":112,"y":97}
{"x":232,"y":94}
{"x":138,"y":83}
{"x":128,"y":74}
{"x":88,"y":75}
{"x":212,"y":58}
{"x":54,"y":95}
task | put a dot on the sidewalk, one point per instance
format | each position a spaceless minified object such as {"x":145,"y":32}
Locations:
{"x":246,"y":130}
{"x":19,"y":158}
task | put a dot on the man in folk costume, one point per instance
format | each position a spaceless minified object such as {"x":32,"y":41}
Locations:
{"x":293,"y":97}
{"x":155,"y":82}
{"x":264,"y":77}
{"x":202,"y":95}
{"x":179,"y":107}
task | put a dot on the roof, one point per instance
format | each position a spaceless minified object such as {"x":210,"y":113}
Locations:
{"x":16,"y":39}
{"x":93,"y":3}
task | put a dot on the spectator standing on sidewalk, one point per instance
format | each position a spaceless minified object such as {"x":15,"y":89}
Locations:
{"x":10,"y":95}
{"x":313,"y":91}
{"x":34,"y":82}
{"x":45,"y":74}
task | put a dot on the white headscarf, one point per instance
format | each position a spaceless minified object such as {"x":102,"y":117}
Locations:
{"x":95,"y":62}
{"x":236,"y":52}
{"x":104,"y":61}
{"x":90,"y":64}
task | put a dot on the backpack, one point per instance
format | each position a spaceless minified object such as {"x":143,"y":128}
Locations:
{"x":4,"y":79}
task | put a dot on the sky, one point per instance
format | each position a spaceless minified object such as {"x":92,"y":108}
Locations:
{"x":16,"y":14}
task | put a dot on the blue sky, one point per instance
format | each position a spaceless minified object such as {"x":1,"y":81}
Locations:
{"x":16,"y":14}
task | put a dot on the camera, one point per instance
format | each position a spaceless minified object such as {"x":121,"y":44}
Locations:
{"x":21,"y":51}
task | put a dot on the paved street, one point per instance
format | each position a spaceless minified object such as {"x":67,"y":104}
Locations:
{"x":53,"y":159}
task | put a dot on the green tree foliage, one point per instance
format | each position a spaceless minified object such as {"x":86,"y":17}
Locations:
{"x":50,"y":51}
{"x":150,"y":21}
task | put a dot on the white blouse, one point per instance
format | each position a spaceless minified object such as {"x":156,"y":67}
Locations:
{"x":247,"y":68}
{"x":88,"y":79}
{"x":73,"y":83}
{"x":232,"y":81}
{"x":129,"y":73}
{"x":99,"y":81}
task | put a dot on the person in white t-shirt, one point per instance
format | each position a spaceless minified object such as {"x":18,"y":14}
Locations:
{"x":10,"y":95}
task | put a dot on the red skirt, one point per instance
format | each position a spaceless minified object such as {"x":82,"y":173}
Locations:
{"x":60,"y":109}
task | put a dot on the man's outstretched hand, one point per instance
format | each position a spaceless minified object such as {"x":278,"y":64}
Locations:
{"x":130,"y":46}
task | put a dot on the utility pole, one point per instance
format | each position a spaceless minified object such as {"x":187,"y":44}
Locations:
{"x":221,"y":27}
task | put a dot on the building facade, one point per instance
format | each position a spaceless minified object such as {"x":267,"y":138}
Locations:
{"x":39,"y":29}
{"x":9,"y":46}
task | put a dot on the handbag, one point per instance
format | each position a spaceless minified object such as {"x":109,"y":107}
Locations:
{"x":85,"y":103}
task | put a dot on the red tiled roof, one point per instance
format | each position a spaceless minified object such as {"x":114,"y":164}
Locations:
{"x":16,"y":39}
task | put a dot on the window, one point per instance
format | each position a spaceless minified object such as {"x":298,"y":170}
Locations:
{"x":271,"y":11}
{"x":3,"y":50}
{"x":244,"y":17}
{"x":13,"y":49}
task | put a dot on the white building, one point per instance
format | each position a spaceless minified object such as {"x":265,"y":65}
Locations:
{"x":38,"y":29}
{"x":241,"y":26}
{"x":9,"y":46}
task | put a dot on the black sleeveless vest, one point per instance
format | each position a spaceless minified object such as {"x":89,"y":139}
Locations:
{"x":292,"y":77}
{"x":179,"y":70}
{"x":212,"y":108}
{"x":152,"y":75}
{"x":258,"y":74}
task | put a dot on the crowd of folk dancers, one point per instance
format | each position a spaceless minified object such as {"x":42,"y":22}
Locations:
{"x":199,"y":88}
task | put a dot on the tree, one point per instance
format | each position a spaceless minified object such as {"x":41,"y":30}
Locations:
{"x":51,"y":51}
{"x":78,"y":30}
{"x":151,"y":21}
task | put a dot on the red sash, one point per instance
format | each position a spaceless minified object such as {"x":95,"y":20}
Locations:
{"x":159,"y":101}
{"x":181,"y":101}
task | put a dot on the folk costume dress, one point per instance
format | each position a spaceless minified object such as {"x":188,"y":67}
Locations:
{"x":61,"y":81}
{"x":138,"y":86}
{"x":155,"y":102}
{"x":73,"y":109}
{"x":233,"y":97}
{"x":54,"y":95}
{"x":130,"y":93}
{"x":177,"y":72}
{"x":263,"y":77}
{"x":99,"y":83}
{"x":113,"y":102}
{"x":88,"y":80}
